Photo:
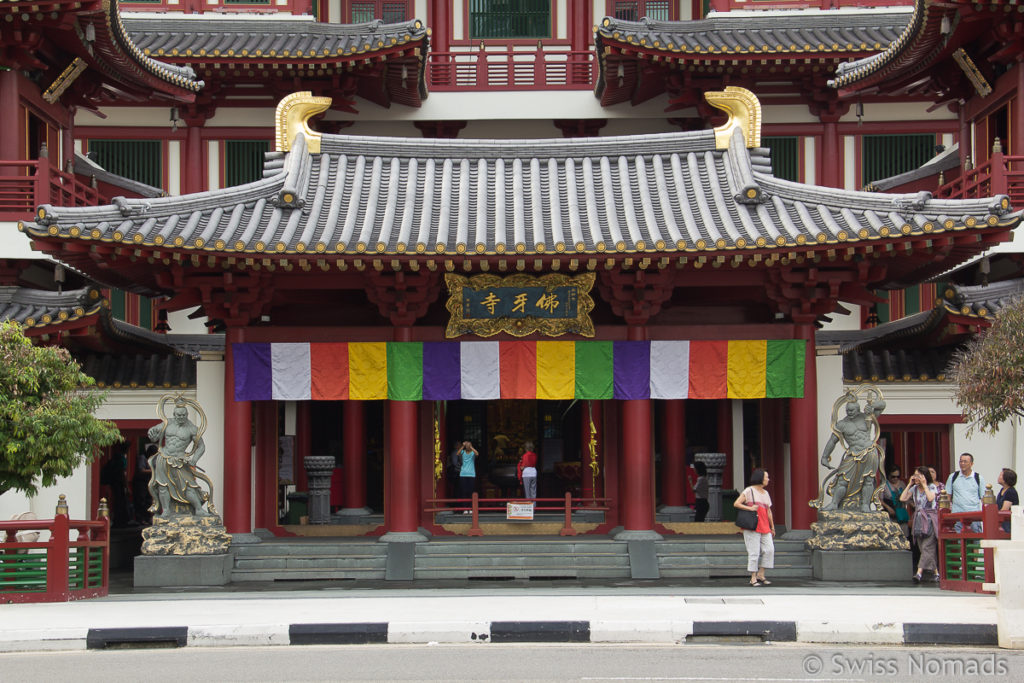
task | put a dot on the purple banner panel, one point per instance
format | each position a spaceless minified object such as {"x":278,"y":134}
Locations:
{"x":442,"y":371}
{"x":632,"y":363}
{"x":253,"y":372}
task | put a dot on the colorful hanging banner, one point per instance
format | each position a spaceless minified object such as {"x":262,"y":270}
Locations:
{"x":548,"y":370}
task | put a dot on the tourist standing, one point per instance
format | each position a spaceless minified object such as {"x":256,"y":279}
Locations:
{"x":467,"y":471}
{"x":759,"y":543}
{"x":1007,"y":494}
{"x":700,"y":492}
{"x":966,"y":488}
{"x":921,"y":492}
{"x":527,"y":470}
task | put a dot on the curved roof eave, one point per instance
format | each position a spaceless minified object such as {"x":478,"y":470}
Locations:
{"x":657,"y":195}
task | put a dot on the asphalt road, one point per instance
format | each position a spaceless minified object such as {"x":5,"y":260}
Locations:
{"x":748,"y":662}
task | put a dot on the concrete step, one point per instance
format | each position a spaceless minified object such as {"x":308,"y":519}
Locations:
{"x":298,"y":562}
{"x":306,"y":574}
{"x":372,"y":548}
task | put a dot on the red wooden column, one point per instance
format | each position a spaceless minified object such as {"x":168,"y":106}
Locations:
{"x":237,"y":448}
{"x":1017,"y":108}
{"x":303,"y":442}
{"x":673,"y":456}
{"x":266,"y":464}
{"x":803,"y":434}
{"x":636,"y":464}
{"x":724,"y":436}
{"x":10,"y":142}
{"x":402,"y":502}
{"x":354,"y":459}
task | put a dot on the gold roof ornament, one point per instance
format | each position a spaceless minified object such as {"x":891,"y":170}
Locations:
{"x":744,"y":110}
{"x":292,"y":117}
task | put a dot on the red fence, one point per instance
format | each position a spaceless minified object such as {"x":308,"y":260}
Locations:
{"x":1002,"y":174}
{"x":511,"y":69}
{"x":963,"y":564}
{"x":59,"y":569}
{"x":24,"y":185}
{"x":475,"y":506}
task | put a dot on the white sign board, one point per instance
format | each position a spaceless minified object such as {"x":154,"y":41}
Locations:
{"x":521,"y":510}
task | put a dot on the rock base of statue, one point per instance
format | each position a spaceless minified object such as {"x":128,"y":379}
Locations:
{"x":855,"y":530}
{"x":153,"y":571}
{"x":186,"y":535}
{"x":861,"y":565}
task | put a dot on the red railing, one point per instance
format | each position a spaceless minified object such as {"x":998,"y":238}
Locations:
{"x":565,"y":506}
{"x":59,"y":569}
{"x":24,"y":185}
{"x":1001,"y":174}
{"x":963,"y":564}
{"x":511,"y":69}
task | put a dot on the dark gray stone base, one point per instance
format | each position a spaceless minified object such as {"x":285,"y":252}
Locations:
{"x":862,"y":565}
{"x":183,"y":570}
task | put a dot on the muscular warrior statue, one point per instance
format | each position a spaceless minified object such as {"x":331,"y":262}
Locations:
{"x":853,"y":480}
{"x":173,"y":466}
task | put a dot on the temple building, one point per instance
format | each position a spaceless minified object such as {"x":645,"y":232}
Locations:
{"x":622,"y":232}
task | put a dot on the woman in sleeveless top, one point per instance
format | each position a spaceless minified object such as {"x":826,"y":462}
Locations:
{"x":759,"y":543}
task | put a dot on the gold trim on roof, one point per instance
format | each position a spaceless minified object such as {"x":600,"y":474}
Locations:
{"x":64,"y":80}
{"x":292,"y":118}
{"x":744,"y":110}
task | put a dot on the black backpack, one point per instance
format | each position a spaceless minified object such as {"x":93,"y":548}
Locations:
{"x":957,"y":474}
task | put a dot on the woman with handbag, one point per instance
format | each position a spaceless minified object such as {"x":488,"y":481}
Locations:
{"x":754,"y":516}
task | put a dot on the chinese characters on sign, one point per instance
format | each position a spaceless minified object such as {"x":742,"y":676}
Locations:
{"x":519,"y":302}
{"x":520,"y":305}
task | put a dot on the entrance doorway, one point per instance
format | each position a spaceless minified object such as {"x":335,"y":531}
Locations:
{"x":500,"y":429}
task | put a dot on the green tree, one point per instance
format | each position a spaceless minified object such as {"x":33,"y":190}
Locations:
{"x":990,"y":372}
{"x":47,"y":426}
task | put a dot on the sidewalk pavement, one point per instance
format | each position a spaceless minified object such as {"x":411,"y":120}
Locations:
{"x":466,"y":612}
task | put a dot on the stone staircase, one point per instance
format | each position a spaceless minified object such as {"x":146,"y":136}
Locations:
{"x":711,"y":557}
{"x":310,"y":558}
{"x":521,"y":557}
{"x":506,"y":558}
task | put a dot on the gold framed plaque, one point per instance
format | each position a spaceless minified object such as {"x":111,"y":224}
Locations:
{"x":551,"y":305}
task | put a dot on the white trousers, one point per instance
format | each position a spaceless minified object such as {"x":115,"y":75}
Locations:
{"x":760,"y":550}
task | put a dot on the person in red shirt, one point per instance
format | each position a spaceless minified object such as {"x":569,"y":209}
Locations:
{"x":527,"y":470}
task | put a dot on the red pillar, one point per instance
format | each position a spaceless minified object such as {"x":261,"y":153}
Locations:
{"x":303,"y":443}
{"x":724,"y":425}
{"x":1016,"y":146}
{"x":803,"y":435}
{"x":636,"y":466}
{"x":831,"y":165}
{"x":673,"y":454}
{"x":354,"y":456}
{"x":10,"y":142}
{"x":402,"y":499}
{"x":591,"y":486}
{"x":193,"y":178}
{"x":266,"y":464}
{"x":237,"y":448}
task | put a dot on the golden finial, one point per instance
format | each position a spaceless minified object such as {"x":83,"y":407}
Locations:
{"x":292,"y":118}
{"x":62,"y":505}
{"x":989,"y":498}
{"x":744,"y":110}
{"x":945,"y":501}
{"x":103,"y":512}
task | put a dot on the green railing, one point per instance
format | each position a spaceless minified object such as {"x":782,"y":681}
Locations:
{"x":73,"y":563}
{"x":964,"y":565}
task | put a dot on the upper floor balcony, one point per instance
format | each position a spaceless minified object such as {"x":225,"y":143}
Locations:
{"x":512,"y":67}
{"x":24,"y":185}
{"x":1001,"y":174}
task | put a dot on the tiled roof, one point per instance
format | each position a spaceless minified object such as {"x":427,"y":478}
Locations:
{"x":649,"y":193}
{"x":901,"y":365}
{"x":260,"y":36}
{"x":139,"y":371}
{"x":946,"y":160}
{"x":181,"y":76}
{"x":39,"y":308}
{"x":760,"y":33}
{"x":981,"y":301}
{"x":84,"y":166}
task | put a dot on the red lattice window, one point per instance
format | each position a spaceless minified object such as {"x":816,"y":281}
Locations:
{"x":390,"y":11}
{"x":634,"y":10}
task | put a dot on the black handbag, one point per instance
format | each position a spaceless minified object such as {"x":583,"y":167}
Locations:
{"x":746,"y":519}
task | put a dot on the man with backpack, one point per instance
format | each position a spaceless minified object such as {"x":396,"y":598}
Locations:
{"x":966,"y":487}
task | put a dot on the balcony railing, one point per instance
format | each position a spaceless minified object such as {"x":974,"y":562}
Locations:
{"x":964,"y":565}
{"x":511,"y":69}
{"x":24,"y":185}
{"x":1001,"y":174}
{"x":65,"y":567}
{"x":563,"y":506}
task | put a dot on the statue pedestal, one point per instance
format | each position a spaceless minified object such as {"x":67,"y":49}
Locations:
{"x":183,"y":570}
{"x":862,"y":565}
{"x":185,"y":535}
{"x":859,"y":546}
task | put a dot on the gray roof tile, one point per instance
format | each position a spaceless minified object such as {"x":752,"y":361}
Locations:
{"x":40,"y":308}
{"x":663,"y":192}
